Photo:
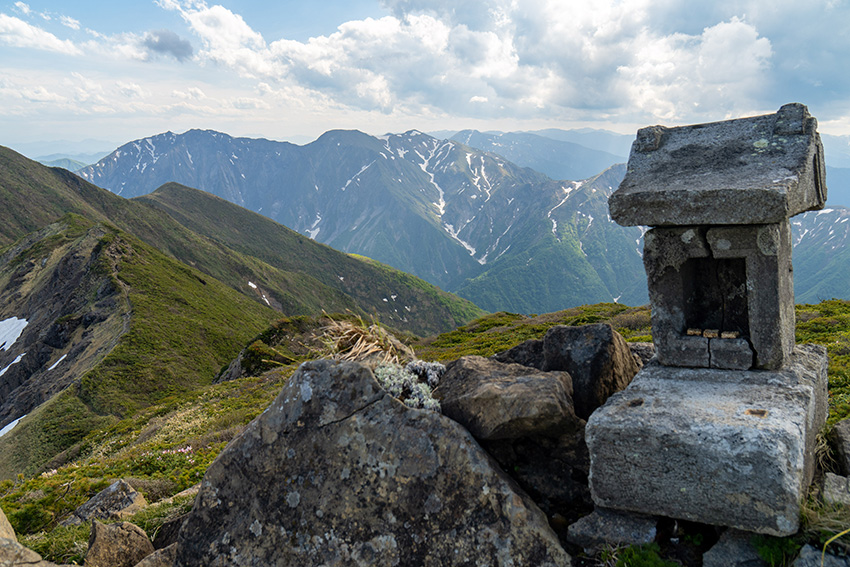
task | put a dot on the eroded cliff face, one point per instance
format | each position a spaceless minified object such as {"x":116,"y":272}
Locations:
{"x":62,"y":309}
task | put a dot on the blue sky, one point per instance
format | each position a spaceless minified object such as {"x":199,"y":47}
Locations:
{"x":118,"y":71}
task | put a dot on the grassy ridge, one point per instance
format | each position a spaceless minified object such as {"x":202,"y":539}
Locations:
{"x":182,"y":329}
{"x":371,"y":284}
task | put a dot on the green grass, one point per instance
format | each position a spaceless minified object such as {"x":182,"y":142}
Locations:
{"x":500,"y":331}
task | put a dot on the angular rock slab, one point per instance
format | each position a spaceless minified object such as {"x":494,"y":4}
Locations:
{"x":6,"y":529}
{"x":116,"y":500}
{"x":337,"y":472}
{"x":723,"y":447}
{"x":757,"y":170}
{"x":493,"y":400}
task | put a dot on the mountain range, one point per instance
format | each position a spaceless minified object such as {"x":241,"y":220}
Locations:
{"x":454,"y":212}
{"x":470,"y":221}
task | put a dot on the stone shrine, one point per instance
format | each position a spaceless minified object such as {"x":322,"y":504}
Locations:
{"x":720,"y":427}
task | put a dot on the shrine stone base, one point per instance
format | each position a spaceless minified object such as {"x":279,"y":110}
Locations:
{"x":725,"y":447}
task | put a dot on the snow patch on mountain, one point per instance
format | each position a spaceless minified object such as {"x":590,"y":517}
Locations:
{"x":356,"y":175}
{"x":57,"y":363}
{"x":10,"y":426}
{"x":10,"y":330}
{"x":14,"y":362}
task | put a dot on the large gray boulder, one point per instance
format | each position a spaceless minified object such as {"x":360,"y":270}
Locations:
{"x":337,"y":472}
{"x":493,"y":400}
{"x":596,"y":357}
{"x":116,"y":501}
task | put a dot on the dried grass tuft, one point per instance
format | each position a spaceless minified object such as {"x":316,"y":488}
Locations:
{"x":355,"y":341}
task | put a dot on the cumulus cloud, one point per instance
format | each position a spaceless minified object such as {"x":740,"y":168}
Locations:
{"x":167,"y":42}
{"x":131,"y":90}
{"x":192,"y":93}
{"x":527,"y":57}
{"x":18,"y":33}
{"x":22,"y":8}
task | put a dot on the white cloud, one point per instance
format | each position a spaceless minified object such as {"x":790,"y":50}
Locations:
{"x":69,"y":22}
{"x":192,"y":93}
{"x":23,"y":8}
{"x":132,"y":90}
{"x":18,"y":33}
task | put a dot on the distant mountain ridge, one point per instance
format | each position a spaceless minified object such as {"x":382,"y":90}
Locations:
{"x":458,"y":217}
{"x":558,"y":159}
{"x":287,"y":270}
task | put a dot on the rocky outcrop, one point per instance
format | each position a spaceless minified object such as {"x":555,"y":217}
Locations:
{"x":506,"y":401}
{"x":596,"y":356}
{"x":117,"y":545}
{"x":337,"y":472}
{"x":118,"y":500}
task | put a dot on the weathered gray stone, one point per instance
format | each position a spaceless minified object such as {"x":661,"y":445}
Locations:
{"x":13,"y":554}
{"x":757,"y":170}
{"x":337,"y":472}
{"x":493,"y":400}
{"x":160,"y":558}
{"x":811,"y":557}
{"x":553,"y":471}
{"x":836,"y":490}
{"x":596,"y":357}
{"x":734,"y":549}
{"x":613,"y":527}
{"x":167,"y":534}
{"x":117,"y":545}
{"x":644,"y":351}
{"x":734,"y":278}
{"x":840,"y":438}
{"x":724,"y":447}
{"x":6,"y":530}
{"x":528,"y":353}
{"x":117,"y":500}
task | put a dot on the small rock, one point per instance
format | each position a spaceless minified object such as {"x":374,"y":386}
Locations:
{"x":836,"y":490}
{"x":734,"y":549}
{"x":13,"y":554}
{"x":596,"y":357}
{"x":117,"y":545}
{"x":604,"y":526}
{"x":644,"y":351}
{"x":160,"y":558}
{"x":506,"y":401}
{"x":811,"y":557}
{"x":116,"y":501}
{"x":167,"y":534}
{"x":840,"y":438}
{"x":6,"y":530}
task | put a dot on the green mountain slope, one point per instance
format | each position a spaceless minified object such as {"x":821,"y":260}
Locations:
{"x":269,"y":262}
{"x":396,"y":298}
{"x":176,"y":328}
